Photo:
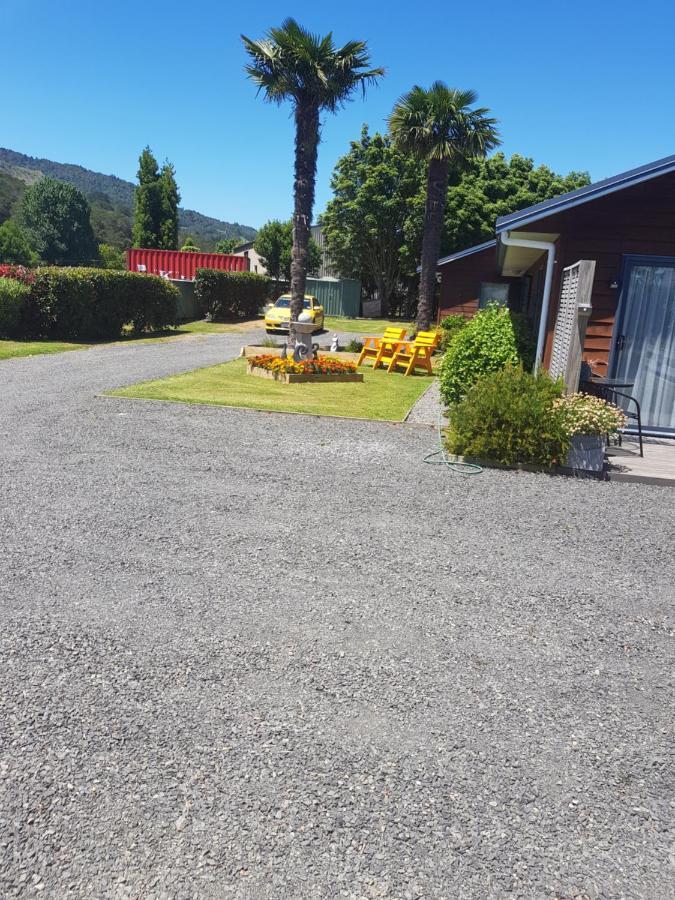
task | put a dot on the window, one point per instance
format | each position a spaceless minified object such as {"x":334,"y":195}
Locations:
{"x":493,"y":293}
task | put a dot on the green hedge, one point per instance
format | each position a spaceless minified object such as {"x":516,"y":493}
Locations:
{"x":494,"y":338}
{"x":95,"y":304}
{"x":509,"y":417}
{"x":230,"y":295}
{"x":449,"y":327}
{"x":13,"y":297}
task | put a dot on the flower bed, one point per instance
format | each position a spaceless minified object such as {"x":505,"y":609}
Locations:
{"x":287,"y":370}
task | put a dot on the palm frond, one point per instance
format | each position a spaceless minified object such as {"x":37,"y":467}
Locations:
{"x":292,"y":63}
{"x":440,"y":123}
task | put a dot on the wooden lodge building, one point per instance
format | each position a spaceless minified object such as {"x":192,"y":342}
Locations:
{"x":626,"y":226}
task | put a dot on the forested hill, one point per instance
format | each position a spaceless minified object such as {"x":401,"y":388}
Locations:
{"x":112,"y":200}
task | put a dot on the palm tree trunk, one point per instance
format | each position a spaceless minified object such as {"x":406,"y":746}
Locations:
{"x":437,"y":188}
{"x":306,"y":147}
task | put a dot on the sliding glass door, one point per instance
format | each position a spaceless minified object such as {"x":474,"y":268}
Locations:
{"x":644,"y":338}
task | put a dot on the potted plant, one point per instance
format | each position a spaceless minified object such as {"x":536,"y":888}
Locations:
{"x":588,"y":420}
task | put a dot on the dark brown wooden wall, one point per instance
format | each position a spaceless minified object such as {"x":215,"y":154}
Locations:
{"x":637,"y":220}
{"x":461,"y":280}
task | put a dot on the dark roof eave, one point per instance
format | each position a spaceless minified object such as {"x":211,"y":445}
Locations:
{"x":585,"y":194}
{"x":462,"y":253}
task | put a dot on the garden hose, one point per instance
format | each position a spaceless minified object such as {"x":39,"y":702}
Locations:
{"x":440,"y":458}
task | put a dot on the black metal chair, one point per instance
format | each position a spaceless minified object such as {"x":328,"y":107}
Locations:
{"x":613,"y":395}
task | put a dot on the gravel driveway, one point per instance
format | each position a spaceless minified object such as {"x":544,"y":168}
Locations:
{"x":255,"y":655}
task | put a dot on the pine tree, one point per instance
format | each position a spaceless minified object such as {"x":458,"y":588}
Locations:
{"x":170,"y":201}
{"x":147,"y":230}
{"x":189,"y":245}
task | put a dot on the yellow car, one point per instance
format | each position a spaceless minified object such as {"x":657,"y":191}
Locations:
{"x":278,"y":317}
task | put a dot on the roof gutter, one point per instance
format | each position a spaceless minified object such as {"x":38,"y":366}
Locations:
{"x":549,"y":247}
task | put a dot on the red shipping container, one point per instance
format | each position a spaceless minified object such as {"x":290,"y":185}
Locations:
{"x":182,"y":266}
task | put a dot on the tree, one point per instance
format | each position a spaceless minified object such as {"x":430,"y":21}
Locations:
{"x":14,"y":245}
{"x":270,"y":243}
{"x":11,"y":192}
{"x":365,"y":224}
{"x":189,"y":245}
{"x":439,"y":127}
{"x":56,"y":217}
{"x":148,"y":212}
{"x":494,"y":187}
{"x":274,"y":243}
{"x":170,"y":197}
{"x":314,"y":255}
{"x":292,"y":64}
{"x":111,"y":257}
{"x":228,"y":245}
{"x":375,"y":220}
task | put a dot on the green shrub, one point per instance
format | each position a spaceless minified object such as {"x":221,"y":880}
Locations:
{"x":230,"y":295}
{"x":13,"y":296}
{"x":111,"y":257}
{"x":509,"y":417}
{"x":14,"y":245}
{"x":449,"y":327}
{"x":494,"y":338}
{"x":96,"y":304}
{"x":354,"y":346}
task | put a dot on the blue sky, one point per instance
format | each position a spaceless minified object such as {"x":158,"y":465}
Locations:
{"x":581,"y":85}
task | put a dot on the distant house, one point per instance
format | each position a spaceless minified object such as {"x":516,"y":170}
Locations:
{"x":326,"y":269}
{"x":251,"y":254}
{"x":626,"y":226}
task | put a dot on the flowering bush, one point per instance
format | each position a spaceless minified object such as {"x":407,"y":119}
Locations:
{"x":585,"y":414}
{"x":18,"y":273}
{"x":324,"y":365}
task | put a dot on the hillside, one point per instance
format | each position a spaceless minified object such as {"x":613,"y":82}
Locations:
{"x":111,"y":200}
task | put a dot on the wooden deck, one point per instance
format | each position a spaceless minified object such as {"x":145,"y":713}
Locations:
{"x":656,"y":467}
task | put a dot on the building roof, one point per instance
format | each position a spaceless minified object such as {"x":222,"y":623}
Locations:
{"x":468,"y":252}
{"x":581,"y":195}
{"x":247,"y":245}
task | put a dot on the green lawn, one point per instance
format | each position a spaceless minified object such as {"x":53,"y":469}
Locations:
{"x":202,"y":327}
{"x":363,"y":326}
{"x":10,"y":349}
{"x":380,"y":396}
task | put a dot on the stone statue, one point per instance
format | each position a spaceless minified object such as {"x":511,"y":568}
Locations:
{"x":334,"y":346}
{"x":284,"y":351}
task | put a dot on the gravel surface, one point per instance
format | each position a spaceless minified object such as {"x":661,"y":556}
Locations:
{"x":372,"y":678}
{"x":428,"y":409}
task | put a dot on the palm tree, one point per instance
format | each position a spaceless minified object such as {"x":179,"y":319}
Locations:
{"x":292,"y":64}
{"x":439,"y":127}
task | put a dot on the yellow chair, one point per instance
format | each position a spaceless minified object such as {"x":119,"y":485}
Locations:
{"x":415,"y":354}
{"x":380,"y":350}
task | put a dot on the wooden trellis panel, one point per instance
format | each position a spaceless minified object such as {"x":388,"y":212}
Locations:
{"x":570,"y":324}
